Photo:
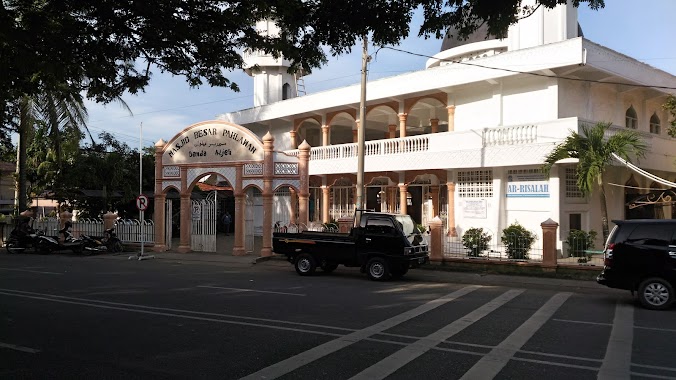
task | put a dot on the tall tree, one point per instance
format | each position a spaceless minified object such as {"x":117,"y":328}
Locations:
{"x":107,"y":47}
{"x":593,"y":147}
{"x":670,"y":106}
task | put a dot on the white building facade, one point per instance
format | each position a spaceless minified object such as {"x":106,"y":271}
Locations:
{"x":465,"y":138}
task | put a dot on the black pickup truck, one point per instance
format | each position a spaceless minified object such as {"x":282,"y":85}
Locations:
{"x":383,"y":245}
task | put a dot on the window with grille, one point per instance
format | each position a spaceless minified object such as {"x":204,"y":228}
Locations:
{"x":630,"y":118}
{"x":475,"y":184}
{"x":655,"y":124}
{"x":572,"y":191}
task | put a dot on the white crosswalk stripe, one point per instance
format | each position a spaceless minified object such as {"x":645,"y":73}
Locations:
{"x":400,"y":358}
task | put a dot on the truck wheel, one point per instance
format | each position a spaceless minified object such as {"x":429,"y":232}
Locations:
{"x":656,"y":293}
{"x":305,"y":264}
{"x":329,"y":267}
{"x":378,"y":269}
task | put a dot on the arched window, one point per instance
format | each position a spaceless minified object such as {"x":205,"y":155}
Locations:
{"x":286,"y":91}
{"x":655,"y":124}
{"x":630,"y":118}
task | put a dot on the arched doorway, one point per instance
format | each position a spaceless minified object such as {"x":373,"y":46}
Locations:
{"x":234,"y":155}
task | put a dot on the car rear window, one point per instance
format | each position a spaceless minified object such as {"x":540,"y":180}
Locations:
{"x":651,"y":234}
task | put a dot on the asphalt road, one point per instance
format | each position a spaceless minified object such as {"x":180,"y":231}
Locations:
{"x":68,"y":317}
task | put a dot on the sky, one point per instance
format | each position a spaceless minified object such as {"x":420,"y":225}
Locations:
{"x":642,"y":30}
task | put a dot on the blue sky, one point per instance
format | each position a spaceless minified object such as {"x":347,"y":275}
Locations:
{"x":643,"y":30}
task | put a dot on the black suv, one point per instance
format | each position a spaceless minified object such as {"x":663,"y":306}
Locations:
{"x":640,"y":255}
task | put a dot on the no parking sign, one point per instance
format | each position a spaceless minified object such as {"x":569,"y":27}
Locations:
{"x":142,"y":202}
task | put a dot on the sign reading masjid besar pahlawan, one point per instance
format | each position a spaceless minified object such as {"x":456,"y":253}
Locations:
{"x":213,"y":142}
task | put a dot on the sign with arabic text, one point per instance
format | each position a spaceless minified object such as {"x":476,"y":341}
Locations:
{"x":213,"y":142}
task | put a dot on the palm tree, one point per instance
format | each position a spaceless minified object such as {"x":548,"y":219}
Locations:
{"x":594,"y":150}
{"x":64,"y":116}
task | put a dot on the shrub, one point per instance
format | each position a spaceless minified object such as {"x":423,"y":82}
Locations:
{"x":475,"y":241}
{"x":578,"y":242}
{"x":518,"y":241}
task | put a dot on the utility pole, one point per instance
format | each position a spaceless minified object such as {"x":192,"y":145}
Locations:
{"x":362,"y":126}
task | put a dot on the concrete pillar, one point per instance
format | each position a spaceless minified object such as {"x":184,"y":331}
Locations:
{"x":355,"y":132}
{"x":402,"y":124}
{"x":109,"y":219}
{"x":549,"y":254}
{"x":159,"y":218}
{"x":403,"y":207}
{"x":64,"y":216}
{"x":450,"y":187}
{"x":434,"y":123}
{"x":292,"y":135}
{"x":239,"y":221}
{"x":345,"y":224}
{"x":451,"y":118}
{"x":392,"y":130}
{"x":436,"y":240}
{"x":268,"y":174}
{"x":325,"y":135}
{"x":304,"y":172}
{"x":434,"y":191}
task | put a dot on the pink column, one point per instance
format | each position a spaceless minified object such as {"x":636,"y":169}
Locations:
{"x":325,"y":135}
{"x":159,"y":217}
{"x":392,"y":129}
{"x":294,"y":206}
{"x":325,"y":204}
{"x":434,"y":190}
{"x":436,"y":240}
{"x":292,"y":135}
{"x":304,"y":172}
{"x":549,"y":255}
{"x":402,"y":124}
{"x":434,"y":123}
{"x":268,"y":174}
{"x":451,"y":118}
{"x":403,"y":207}
{"x":109,"y":219}
{"x":238,"y":248}
{"x":64,"y":216}
{"x":355,"y":132}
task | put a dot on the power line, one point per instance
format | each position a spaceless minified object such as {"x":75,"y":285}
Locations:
{"x":528,"y":72}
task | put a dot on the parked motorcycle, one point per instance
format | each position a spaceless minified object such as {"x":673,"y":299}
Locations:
{"x":111,"y":241}
{"x":93,"y":245}
{"x":69,"y":241}
{"x":24,"y":238}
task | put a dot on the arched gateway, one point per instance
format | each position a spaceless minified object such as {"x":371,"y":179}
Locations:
{"x":238,"y":155}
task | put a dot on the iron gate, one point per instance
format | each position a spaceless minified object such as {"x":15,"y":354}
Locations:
{"x":249,"y":225}
{"x":168,"y":223}
{"x":203,"y":237}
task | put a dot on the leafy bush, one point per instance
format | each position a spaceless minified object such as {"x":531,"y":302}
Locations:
{"x":578,"y":242}
{"x":475,"y":241}
{"x":518,"y":241}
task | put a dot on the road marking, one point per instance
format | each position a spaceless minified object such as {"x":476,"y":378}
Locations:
{"x":582,"y":322}
{"x":392,"y":363}
{"x":654,"y":329}
{"x":31,"y":271}
{"x":251,"y":290}
{"x":617,"y":362}
{"x":125,"y":306}
{"x":19,"y":348}
{"x":492,"y":363}
{"x":285,"y":366}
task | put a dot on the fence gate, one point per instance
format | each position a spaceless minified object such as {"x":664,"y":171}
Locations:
{"x":168,"y":223}
{"x":249,"y":225}
{"x":203,"y":237}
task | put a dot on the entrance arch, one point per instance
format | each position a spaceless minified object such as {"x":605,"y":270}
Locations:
{"x":235,"y":153}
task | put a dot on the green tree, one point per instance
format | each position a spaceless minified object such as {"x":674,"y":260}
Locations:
{"x":670,"y":106}
{"x":105,"y":47}
{"x":594,"y":147}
